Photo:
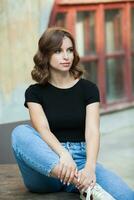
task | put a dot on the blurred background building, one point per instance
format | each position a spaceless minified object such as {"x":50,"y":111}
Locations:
{"x":104,"y":34}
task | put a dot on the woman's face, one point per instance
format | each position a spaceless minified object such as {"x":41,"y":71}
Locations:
{"x":62,"y":58}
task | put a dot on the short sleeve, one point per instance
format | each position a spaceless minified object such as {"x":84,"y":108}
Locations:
{"x":92,"y":93}
{"x":32,"y":94}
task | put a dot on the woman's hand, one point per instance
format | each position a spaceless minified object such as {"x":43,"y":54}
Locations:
{"x":86,"y":178}
{"x":67,"y":168}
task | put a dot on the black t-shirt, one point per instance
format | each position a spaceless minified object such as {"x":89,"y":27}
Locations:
{"x":65,"y":109}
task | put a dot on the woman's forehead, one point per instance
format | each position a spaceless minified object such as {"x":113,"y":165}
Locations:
{"x":66,"y":42}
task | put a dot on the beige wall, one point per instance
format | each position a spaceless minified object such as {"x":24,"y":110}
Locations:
{"x":21,"y":24}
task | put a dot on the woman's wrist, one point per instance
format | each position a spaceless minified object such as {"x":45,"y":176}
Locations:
{"x":90,"y":167}
{"x":63,"y":151}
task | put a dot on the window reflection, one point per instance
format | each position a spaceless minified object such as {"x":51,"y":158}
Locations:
{"x":60,"y":19}
{"x":114,"y":79}
{"x":85,"y":31}
{"x":91,"y":71}
{"x":132,"y":37}
{"x":133,"y":74}
{"x":113,"y":30}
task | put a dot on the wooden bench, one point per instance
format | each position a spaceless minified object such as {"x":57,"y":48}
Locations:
{"x":12,"y":187}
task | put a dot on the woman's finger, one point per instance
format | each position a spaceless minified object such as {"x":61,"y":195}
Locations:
{"x":76,"y":173}
{"x":63,"y":173}
{"x":79,"y":176}
{"x":81,"y":187}
{"x":72,"y":174}
{"x":92,"y":184}
{"x":60,"y":170}
{"x":67,"y":176}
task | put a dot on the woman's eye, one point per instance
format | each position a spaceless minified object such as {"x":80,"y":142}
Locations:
{"x":58,"y":51}
{"x":70,"y":50}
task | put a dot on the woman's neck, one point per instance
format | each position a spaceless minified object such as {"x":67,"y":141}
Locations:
{"x":62,"y":81}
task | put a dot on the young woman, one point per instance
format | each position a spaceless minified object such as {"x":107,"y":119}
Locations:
{"x":59,"y":153}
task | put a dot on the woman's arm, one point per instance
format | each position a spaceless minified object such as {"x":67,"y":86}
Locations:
{"x":92,"y":134}
{"x":67,"y":166}
{"x":87,"y":175}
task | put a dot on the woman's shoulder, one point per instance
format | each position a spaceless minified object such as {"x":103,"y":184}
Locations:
{"x":87,"y":83}
{"x":35,"y":87}
{"x":91,"y":92}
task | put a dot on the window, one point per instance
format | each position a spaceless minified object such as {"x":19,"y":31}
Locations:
{"x":114,"y":79}
{"x":113,"y":30}
{"x":85,"y":30}
{"x":133,"y":74}
{"x":132,"y":22}
{"x":86,"y":42}
{"x":91,"y":71}
{"x":115,"y":88}
{"x":132,"y":47}
{"x":60,"y":19}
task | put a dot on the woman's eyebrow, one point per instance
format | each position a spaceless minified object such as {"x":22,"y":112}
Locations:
{"x":71,"y":47}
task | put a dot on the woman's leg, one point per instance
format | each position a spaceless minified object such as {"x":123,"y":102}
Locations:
{"x":113,"y":184}
{"x":35,"y":159}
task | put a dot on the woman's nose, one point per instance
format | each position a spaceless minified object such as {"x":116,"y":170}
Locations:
{"x":65,"y":55}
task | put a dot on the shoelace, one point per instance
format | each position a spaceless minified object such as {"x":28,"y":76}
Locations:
{"x":88,"y":193}
{"x":97,"y":192}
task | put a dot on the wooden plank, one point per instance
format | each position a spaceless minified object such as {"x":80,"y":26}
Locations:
{"x":12,"y":187}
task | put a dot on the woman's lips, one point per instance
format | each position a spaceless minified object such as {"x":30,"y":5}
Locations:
{"x":66,"y":64}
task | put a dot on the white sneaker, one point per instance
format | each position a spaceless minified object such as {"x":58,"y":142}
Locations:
{"x":97,"y":193}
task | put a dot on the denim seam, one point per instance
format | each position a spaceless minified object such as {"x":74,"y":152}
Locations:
{"x":50,"y":170}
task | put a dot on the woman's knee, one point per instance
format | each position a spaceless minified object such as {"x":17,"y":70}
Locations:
{"x":19,"y":133}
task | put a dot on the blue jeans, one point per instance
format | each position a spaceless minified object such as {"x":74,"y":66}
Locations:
{"x":36,"y":160}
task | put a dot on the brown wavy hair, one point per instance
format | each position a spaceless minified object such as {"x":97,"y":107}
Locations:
{"x":49,"y":42}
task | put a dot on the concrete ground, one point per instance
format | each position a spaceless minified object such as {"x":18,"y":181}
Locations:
{"x":117,"y":153}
